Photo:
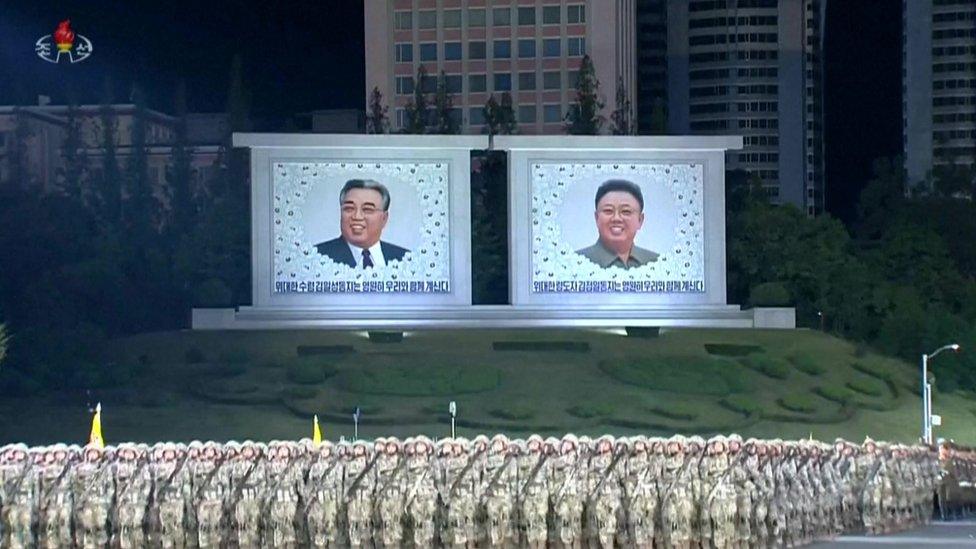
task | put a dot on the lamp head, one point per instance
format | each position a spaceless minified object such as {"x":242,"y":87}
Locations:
{"x":955,"y":347}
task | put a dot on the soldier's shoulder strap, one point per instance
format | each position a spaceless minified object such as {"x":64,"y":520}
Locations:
{"x":416,"y":487}
{"x":392,"y":478}
{"x":532,"y":474}
{"x":457,"y":482}
{"x":603,"y":479}
{"x":46,"y":498}
{"x":498,"y":473}
{"x":359,"y":479}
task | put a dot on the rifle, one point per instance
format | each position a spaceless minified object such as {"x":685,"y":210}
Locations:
{"x":209,"y":478}
{"x":467,"y":467}
{"x":309,"y":495}
{"x":355,"y":483}
{"x":532,"y":474}
{"x":603,"y":479}
{"x":498,"y":474}
{"x":46,"y":498}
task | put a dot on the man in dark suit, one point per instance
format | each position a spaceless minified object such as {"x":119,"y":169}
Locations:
{"x":365,"y":209}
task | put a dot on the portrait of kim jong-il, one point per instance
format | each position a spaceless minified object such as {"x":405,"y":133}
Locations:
{"x":619,"y":216}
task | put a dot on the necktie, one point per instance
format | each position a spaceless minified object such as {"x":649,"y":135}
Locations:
{"x":367,"y":260}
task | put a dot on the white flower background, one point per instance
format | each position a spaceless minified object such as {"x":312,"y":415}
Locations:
{"x":554,"y":259}
{"x":295,"y":256}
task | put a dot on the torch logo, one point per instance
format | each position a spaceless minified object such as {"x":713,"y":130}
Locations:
{"x":63,"y":42}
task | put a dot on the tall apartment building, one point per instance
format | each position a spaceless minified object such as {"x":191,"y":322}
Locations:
{"x":753,"y":68}
{"x":529,"y":48}
{"x":938,"y":84}
{"x":652,"y":65}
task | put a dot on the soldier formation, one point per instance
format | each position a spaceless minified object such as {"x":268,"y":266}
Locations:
{"x":678,"y":492}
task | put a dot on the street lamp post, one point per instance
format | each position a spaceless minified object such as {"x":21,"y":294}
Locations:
{"x":927,"y":392}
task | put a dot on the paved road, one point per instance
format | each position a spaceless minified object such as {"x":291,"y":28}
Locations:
{"x":937,"y":534}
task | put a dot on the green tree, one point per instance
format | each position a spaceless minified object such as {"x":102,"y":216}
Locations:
{"x":19,"y":172}
{"x":3,"y":342}
{"x":659,"y":117}
{"x":443,"y":107}
{"x":491,"y":115}
{"x":376,"y":119}
{"x":140,"y":208}
{"x":72,"y":177}
{"x":584,"y":116}
{"x":416,"y":114}
{"x":108,"y":184}
{"x":622,"y":117}
{"x":883,"y":199}
{"x":179,"y":173}
{"x":507,"y":122}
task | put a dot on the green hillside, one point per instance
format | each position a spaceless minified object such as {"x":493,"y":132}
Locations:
{"x":230,"y":385}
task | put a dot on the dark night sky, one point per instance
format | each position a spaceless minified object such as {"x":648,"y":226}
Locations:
{"x":300,"y":56}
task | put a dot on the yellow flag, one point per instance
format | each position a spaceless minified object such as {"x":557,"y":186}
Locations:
{"x":95,"y":439}
{"x":316,"y":432}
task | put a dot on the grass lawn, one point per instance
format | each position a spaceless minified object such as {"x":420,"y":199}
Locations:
{"x":240,"y":385}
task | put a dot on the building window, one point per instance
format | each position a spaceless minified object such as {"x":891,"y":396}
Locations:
{"x":503,"y":81}
{"x":428,"y":84}
{"x":550,"y":47}
{"x":576,"y":14}
{"x":572,"y":79}
{"x":526,"y":16}
{"x":477,"y":83}
{"x":403,"y":20}
{"x":551,"y":81}
{"x":526,"y":48}
{"x":502,"y":49}
{"x":428,"y":52}
{"x":404,"y":85}
{"x":501,"y":17}
{"x":452,"y":83}
{"x":526,"y":81}
{"x":452,"y":19}
{"x":452,"y":51}
{"x":400,"y":113}
{"x":476,"y":116}
{"x":404,"y":53}
{"x":526,"y":114}
{"x":476,"y":50}
{"x":552,"y":113}
{"x":576,"y":46}
{"x":550,"y":15}
{"x":427,"y":19}
{"x":476,"y":17}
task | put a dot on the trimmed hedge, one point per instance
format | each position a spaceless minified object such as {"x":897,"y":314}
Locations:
{"x":515,"y":412}
{"x":806,"y":364}
{"x":309,"y":371}
{"x":234,"y":356}
{"x":742,"y":404}
{"x":835,"y":393}
{"x":768,"y":366}
{"x":300,"y":391}
{"x":675,"y":411}
{"x":543,"y":346}
{"x":802,"y":403}
{"x":590,"y":410}
{"x":867,"y":387}
{"x":421,"y":380}
{"x":194,"y":356}
{"x":731,"y":349}
{"x":678,"y":374}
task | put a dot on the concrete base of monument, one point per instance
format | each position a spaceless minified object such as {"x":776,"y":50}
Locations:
{"x":491,"y":316}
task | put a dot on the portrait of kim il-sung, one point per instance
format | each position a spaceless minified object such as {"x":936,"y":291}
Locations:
{"x":364,"y":206}
{"x":619,"y":216}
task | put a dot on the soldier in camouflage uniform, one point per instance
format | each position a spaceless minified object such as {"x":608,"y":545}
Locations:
{"x":677,"y":500}
{"x":718,"y":501}
{"x":500,"y":481}
{"x":208,"y":495}
{"x":533,"y":494}
{"x":391,"y":489}
{"x":17,"y":496}
{"x":92,"y":493}
{"x":323,"y":496}
{"x":640,"y":494}
{"x":455,"y":484}
{"x":133,"y":488}
{"x":656,"y":466}
{"x":421,"y":497}
{"x":777,"y":496}
{"x":54,"y":496}
{"x":565,"y":483}
{"x":359,"y":483}
{"x":281,"y":499}
{"x":248,"y":479}
{"x":871,"y":470}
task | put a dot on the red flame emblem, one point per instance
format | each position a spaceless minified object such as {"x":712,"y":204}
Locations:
{"x":64,"y":37}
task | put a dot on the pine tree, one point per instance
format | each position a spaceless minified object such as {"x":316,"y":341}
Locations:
{"x":417,"y":112}
{"x":507,"y":123}
{"x":72,"y":177}
{"x":622,"y":117}
{"x":108,"y":186}
{"x":584,"y":116}
{"x":179,"y":173}
{"x":491,"y":115}
{"x":443,"y":103}
{"x":238,"y":98}
{"x":140,"y":209}
{"x":659,"y":117}
{"x":376,"y":120}
{"x":17,"y":158}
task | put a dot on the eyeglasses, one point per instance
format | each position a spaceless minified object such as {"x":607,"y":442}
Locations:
{"x":368,"y":209}
{"x":625,"y":212}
